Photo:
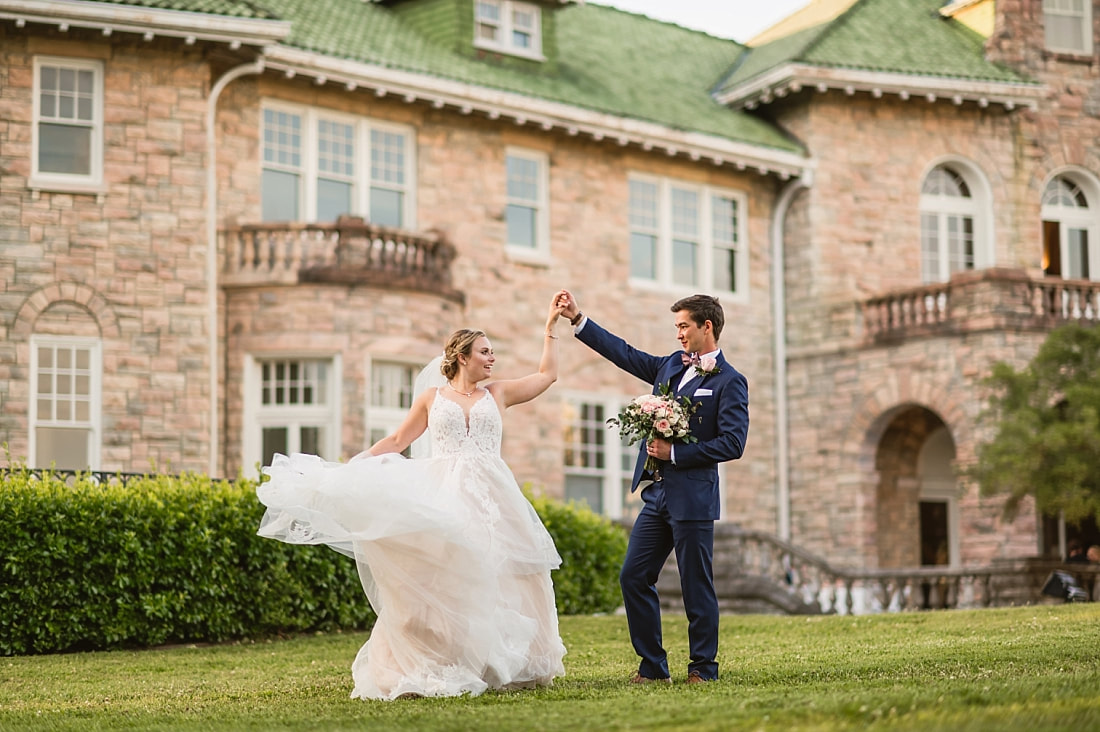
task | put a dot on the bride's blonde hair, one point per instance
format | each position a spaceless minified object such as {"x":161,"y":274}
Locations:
{"x":461,"y":343}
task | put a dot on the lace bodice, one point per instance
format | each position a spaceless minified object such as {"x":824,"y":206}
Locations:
{"x":450,"y":433}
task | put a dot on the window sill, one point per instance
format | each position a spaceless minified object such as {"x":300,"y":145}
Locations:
{"x":533,"y":257}
{"x":51,"y":185}
{"x":509,"y":51}
{"x":678,"y":291}
{"x":1071,"y":57}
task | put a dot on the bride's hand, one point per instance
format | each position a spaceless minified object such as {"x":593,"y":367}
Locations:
{"x":556,"y":309}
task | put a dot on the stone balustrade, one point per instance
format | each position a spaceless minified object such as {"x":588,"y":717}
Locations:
{"x":349,"y":252}
{"x":979,"y":300}
{"x":756,"y":572}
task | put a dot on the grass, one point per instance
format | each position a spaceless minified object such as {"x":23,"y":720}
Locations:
{"x":1031,"y":668}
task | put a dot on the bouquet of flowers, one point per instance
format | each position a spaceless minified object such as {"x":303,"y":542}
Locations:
{"x":656,"y":415}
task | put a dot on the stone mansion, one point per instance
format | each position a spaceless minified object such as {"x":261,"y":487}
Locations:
{"x":230,"y":228}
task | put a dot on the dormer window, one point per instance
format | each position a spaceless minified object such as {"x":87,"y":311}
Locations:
{"x":1067,"y":26}
{"x":507,"y":26}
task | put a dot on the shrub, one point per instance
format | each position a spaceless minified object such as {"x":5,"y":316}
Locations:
{"x":592,"y":551}
{"x":90,"y":565}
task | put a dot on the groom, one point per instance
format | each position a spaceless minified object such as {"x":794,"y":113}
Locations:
{"x":680,"y":497}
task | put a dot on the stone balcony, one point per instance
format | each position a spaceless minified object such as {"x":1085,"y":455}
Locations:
{"x":976,"y":301}
{"x":350,"y":251}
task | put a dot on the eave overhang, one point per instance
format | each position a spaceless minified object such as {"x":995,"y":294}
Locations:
{"x":522,"y":110}
{"x":793,"y":78}
{"x":149,"y":23}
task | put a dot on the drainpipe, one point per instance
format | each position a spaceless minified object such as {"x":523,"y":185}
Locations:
{"x":212,"y":245}
{"x":779,"y":313}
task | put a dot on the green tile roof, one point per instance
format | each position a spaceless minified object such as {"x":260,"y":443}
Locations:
{"x":896,"y":36}
{"x":609,"y":61}
{"x":232,"y":8}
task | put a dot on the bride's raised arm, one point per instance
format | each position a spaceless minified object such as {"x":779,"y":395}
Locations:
{"x":524,"y":389}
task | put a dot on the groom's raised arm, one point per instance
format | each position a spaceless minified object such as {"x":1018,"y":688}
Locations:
{"x":638,"y":363}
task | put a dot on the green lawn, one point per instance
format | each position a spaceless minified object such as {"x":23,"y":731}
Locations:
{"x":1033,"y":668}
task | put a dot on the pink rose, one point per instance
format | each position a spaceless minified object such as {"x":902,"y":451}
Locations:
{"x":708,"y":363}
{"x":663,"y":426}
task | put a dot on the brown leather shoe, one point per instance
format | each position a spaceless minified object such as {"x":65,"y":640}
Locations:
{"x":639,"y":679}
{"x":695,"y":678}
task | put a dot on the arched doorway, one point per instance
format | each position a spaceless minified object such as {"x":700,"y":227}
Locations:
{"x":916,"y":504}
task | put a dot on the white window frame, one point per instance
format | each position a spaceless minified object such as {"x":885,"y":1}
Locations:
{"x":362,"y":181}
{"x":385,"y":418}
{"x":1062,"y":9}
{"x":92,"y":182}
{"x":94,"y":422}
{"x":1077,"y":218}
{"x":978,"y":207}
{"x":506,"y":26}
{"x":540,"y":253}
{"x":613,"y":474}
{"x":255,"y":416}
{"x":704,"y":275}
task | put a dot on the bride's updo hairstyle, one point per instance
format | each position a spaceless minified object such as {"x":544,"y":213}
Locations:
{"x":460,"y":343}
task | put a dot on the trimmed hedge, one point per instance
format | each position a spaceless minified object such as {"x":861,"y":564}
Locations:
{"x":88,"y":565}
{"x":159,"y":559}
{"x":592,"y":551}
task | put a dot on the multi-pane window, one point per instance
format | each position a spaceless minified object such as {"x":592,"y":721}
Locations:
{"x":1068,"y":219}
{"x":1067,"y":26}
{"x":526,"y":216}
{"x":319,"y":166}
{"x":599,"y":466}
{"x":65,"y":402}
{"x":295,"y":410}
{"x":948,"y":213}
{"x":508,"y":26}
{"x":391,"y":395}
{"x":684,"y":236}
{"x":68,"y":129}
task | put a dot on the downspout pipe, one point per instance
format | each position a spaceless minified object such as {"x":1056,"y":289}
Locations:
{"x":233,"y":74}
{"x":779,"y":313}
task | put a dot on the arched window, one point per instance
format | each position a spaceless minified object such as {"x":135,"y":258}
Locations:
{"x":1069,"y":247}
{"x":949,"y":223}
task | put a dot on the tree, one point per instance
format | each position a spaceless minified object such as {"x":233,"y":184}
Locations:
{"x":1047,"y":417}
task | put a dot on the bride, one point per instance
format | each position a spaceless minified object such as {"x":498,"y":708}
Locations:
{"x":452,"y":556}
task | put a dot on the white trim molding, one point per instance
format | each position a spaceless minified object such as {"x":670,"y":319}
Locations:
{"x":543,"y":114}
{"x":794,"y":77}
{"x":149,"y":23}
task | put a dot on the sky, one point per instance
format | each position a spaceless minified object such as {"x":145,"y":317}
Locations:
{"x":736,"y":19}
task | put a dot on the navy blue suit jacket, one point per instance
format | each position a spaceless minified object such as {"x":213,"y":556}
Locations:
{"x":720,"y":422}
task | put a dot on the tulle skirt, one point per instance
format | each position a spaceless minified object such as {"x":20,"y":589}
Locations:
{"x":453,"y":559}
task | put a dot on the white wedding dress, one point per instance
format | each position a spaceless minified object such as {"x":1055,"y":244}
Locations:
{"x":452,"y":556}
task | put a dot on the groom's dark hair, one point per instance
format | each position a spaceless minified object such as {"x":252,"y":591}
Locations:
{"x":703,"y":308}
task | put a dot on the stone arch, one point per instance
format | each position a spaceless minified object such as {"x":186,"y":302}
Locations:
{"x":896,"y":418}
{"x":75,"y":293}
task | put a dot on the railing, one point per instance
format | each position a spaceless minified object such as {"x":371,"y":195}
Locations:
{"x":758,"y":572}
{"x":979,"y":300}
{"x":350,"y":251}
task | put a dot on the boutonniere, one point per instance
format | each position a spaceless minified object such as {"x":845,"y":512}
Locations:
{"x":704,"y":366}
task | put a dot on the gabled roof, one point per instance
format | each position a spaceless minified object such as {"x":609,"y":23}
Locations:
{"x":888,"y":45}
{"x":617,"y":76}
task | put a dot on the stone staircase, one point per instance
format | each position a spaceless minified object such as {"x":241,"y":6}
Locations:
{"x":756,"y":572}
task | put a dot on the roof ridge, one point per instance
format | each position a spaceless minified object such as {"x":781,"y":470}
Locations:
{"x":830,"y":26}
{"x":668,"y":23}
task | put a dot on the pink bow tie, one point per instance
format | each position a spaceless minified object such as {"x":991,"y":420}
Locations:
{"x":692,"y":360}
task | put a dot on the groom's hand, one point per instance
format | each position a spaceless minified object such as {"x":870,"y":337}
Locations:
{"x":568,"y":304}
{"x":659,"y":448}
